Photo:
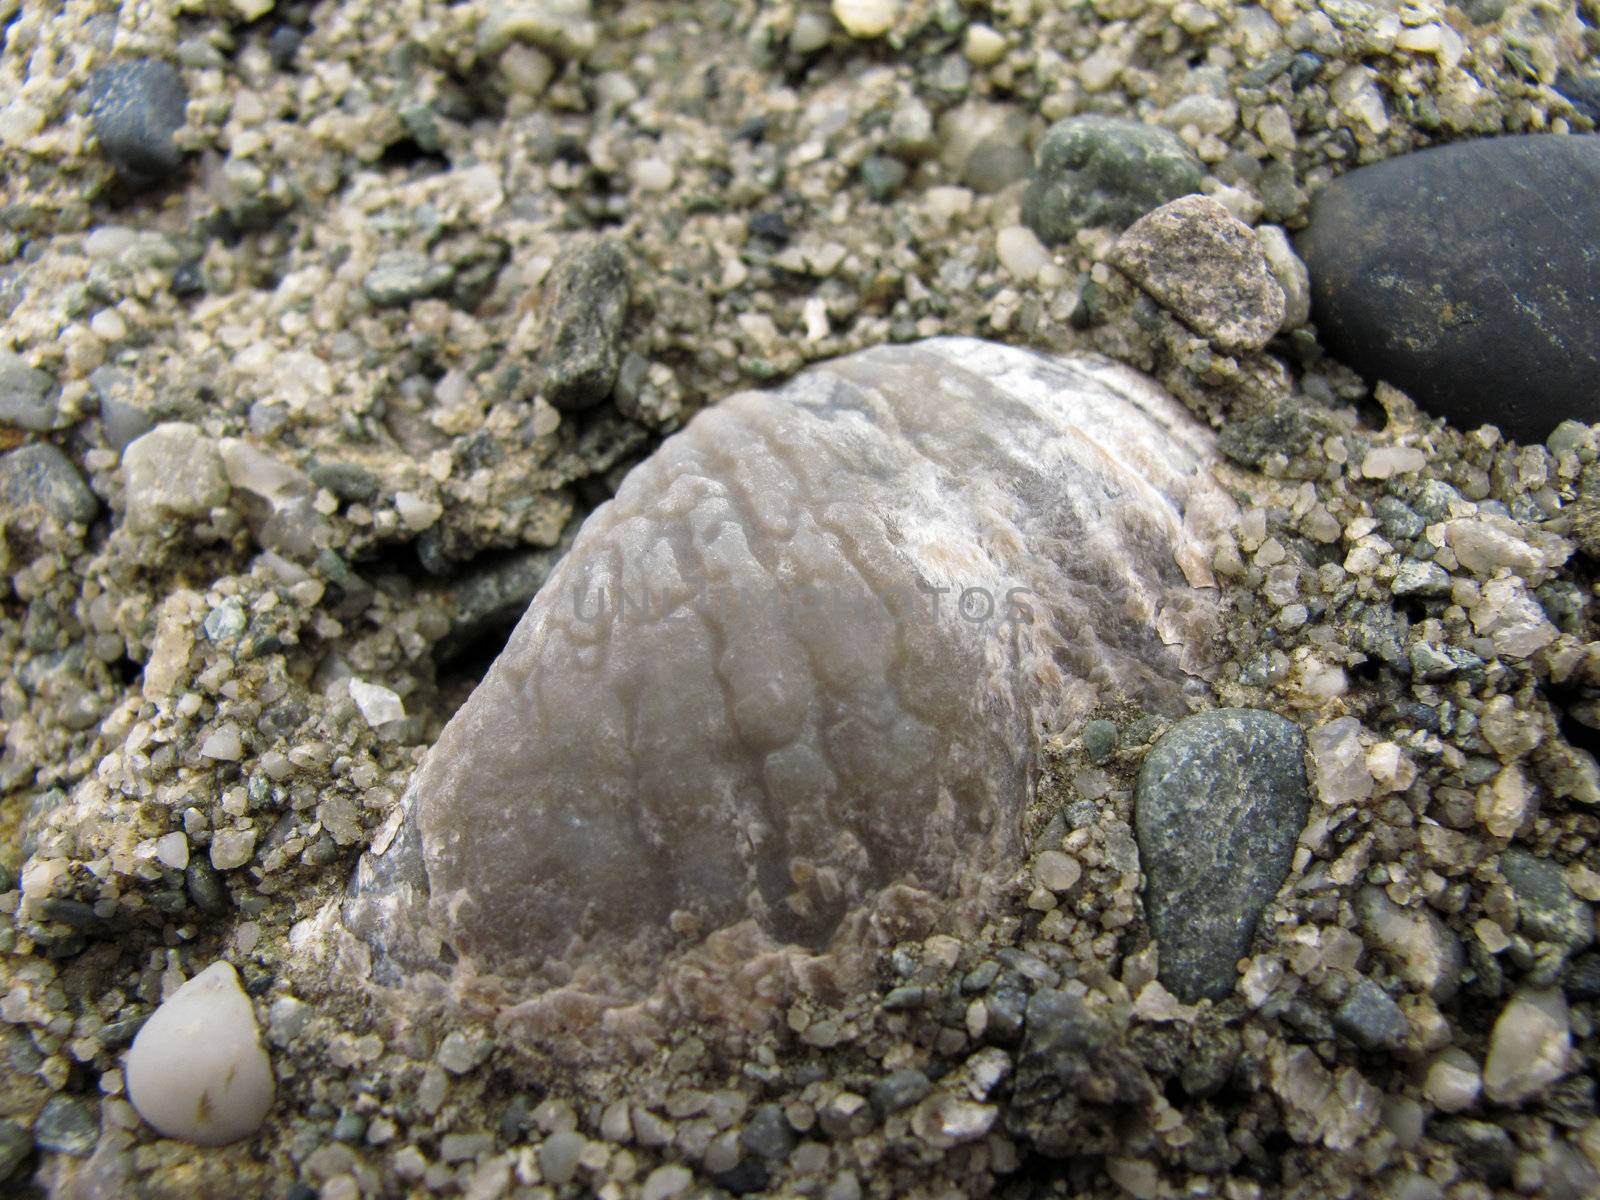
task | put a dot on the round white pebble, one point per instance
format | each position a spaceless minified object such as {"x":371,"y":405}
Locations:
{"x":866,"y":18}
{"x":653,"y":174}
{"x":1021,"y":252}
{"x":196,"y":1070}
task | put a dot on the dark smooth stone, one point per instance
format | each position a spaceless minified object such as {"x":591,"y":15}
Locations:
{"x":1468,"y":276}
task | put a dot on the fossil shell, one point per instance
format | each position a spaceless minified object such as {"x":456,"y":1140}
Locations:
{"x":806,"y":656}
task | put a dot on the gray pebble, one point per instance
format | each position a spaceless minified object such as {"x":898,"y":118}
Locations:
{"x":1371,"y":1019}
{"x":1400,"y":522}
{"x":1099,"y":739}
{"x":1547,"y":908}
{"x":205,"y":886}
{"x":350,"y":1127}
{"x":401,"y":276}
{"x":348,"y":481}
{"x":768,"y":1134}
{"x":882,"y":175}
{"x":899,"y":1090}
{"x":558,"y":1157}
{"x":15,"y":1145}
{"x":24,"y":395}
{"x":1206,"y":267}
{"x":136,"y":108}
{"x":1425,"y":579}
{"x":588,"y":292}
{"x":66,"y":1124}
{"x":1484,"y":1150}
{"x":121,"y":419}
{"x":1220,"y":801}
{"x":1433,"y":501}
{"x":903,"y":999}
{"x":40,"y":476}
{"x":1582,"y":981}
{"x":1482,"y":12}
{"x":1073,"y":1059}
{"x":1104,"y":171}
{"x":75,"y":913}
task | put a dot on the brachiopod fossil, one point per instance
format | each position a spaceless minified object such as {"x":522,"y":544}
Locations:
{"x":803,"y":660}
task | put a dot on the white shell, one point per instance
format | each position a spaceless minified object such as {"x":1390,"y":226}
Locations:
{"x":805,"y":657}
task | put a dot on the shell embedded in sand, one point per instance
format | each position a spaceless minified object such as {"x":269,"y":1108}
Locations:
{"x":803,"y":661}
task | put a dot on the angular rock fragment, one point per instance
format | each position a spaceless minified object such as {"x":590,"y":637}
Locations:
{"x":1548,"y":910}
{"x":40,"y":479}
{"x":1425,"y":953}
{"x":172,"y":471}
{"x":797,"y":669}
{"x":1529,"y":1047}
{"x":588,"y":293}
{"x":1206,"y":267}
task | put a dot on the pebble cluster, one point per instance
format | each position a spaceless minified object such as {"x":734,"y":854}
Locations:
{"x":322,"y":323}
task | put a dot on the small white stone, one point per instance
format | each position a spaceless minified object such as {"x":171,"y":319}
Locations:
{"x":1453,"y":1081}
{"x":809,"y":33}
{"x":108,"y":325}
{"x":223,"y":744}
{"x":1384,"y":462}
{"x":1137,"y":1178}
{"x":196,"y":1070}
{"x":417,"y":511}
{"x":1529,"y":1046}
{"x":666,"y":1182}
{"x":652,"y":175}
{"x":1021,"y":252}
{"x":174,"y":470}
{"x":1339,"y":763}
{"x":1295,"y":280}
{"x":866,"y":18}
{"x":983,"y":45}
{"x":1424,"y":39}
{"x":232,"y":848}
{"x":526,"y":68}
{"x":173,"y":851}
{"x":1512,"y":619}
{"x":1503,"y":804}
{"x":377,"y":703}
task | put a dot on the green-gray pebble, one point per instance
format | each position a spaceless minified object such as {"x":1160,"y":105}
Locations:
{"x":1104,"y":171}
{"x":1220,"y":802}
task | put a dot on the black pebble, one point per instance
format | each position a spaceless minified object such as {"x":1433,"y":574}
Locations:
{"x":205,"y":886}
{"x":770,"y":225}
{"x":136,"y":107}
{"x":1303,"y":68}
{"x":283,"y":45}
{"x":1468,"y":276}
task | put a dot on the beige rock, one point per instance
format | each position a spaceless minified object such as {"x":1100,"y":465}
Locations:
{"x":1529,"y":1047}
